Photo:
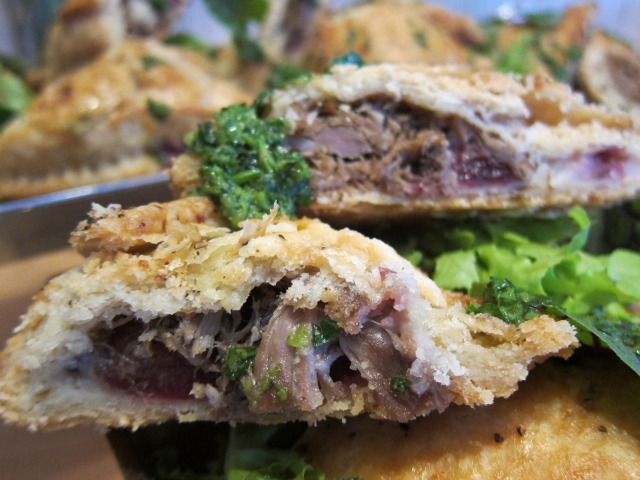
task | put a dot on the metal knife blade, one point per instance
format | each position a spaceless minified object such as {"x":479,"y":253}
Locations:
{"x":40,"y":224}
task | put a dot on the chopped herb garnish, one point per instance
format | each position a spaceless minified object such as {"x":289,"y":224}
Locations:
{"x":505,"y":301}
{"x":254,"y":388}
{"x":398,"y":384}
{"x":150,"y":61}
{"x":184,"y":40}
{"x":421,"y":39}
{"x":351,"y":58}
{"x":160,"y":111}
{"x":270,"y":379}
{"x":543,"y":20}
{"x":237,"y":16}
{"x":352,"y":36}
{"x":325,"y":331}
{"x":300,"y":337}
{"x":282,"y":394}
{"x":285,"y":74}
{"x":238,"y":361}
{"x":246,"y":167}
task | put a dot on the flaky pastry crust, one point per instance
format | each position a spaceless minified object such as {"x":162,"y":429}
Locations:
{"x":181,"y":264}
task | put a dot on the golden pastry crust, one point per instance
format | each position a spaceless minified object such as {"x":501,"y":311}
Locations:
{"x":395,"y":32}
{"x":111,"y":229}
{"x":183,"y":265}
{"x":96,"y":124}
{"x":569,"y":420}
{"x":560,"y":150}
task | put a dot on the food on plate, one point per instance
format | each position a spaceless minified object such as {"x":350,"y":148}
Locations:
{"x":85,"y":29}
{"x":393,"y":141}
{"x":609,"y":72}
{"x":120,"y":116}
{"x":303,"y":32}
{"x":174,"y":317}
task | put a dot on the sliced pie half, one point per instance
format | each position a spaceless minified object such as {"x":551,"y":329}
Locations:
{"x":174,"y":317}
{"x":386,"y":141}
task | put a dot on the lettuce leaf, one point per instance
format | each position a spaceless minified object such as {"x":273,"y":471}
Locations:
{"x":534,"y":266}
{"x":264,"y":453}
{"x":243,"y":452}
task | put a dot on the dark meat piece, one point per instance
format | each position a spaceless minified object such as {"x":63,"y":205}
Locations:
{"x":285,"y":377}
{"x":145,"y":370}
{"x":400,"y":150}
{"x":373,"y":353}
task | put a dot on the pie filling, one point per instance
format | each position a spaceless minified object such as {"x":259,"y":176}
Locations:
{"x":378,"y":144}
{"x":267,"y":355}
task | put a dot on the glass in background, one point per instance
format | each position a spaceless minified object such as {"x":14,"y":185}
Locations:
{"x":23,"y":25}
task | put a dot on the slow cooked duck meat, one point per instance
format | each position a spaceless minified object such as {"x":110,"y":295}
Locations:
{"x":378,"y":144}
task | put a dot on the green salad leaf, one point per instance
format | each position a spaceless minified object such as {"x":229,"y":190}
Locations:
{"x":15,"y":95}
{"x":521,"y":269}
{"x":244,"y":452}
{"x":190,"y":42}
{"x":264,"y":453}
{"x":237,"y":16}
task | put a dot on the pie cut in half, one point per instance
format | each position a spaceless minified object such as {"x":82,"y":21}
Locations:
{"x":393,"y":141}
{"x":173,"y":316}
